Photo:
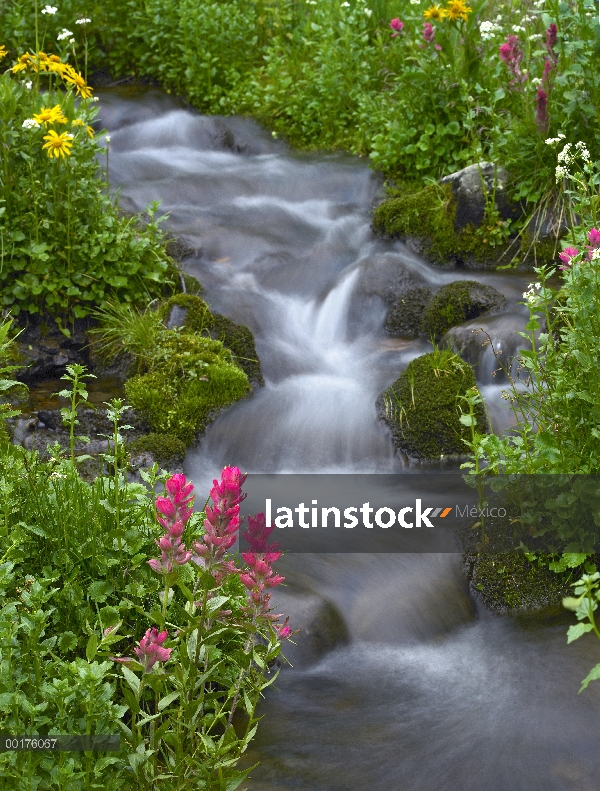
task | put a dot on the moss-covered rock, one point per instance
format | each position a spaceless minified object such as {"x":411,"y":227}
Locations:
{"x":428,"y":216}
{"x":166,"y":449}
{"x":191,"y":379}
{"x":422,"y":410}
{"x":405,"y":317}
{"x":457,"y":302}
{"x":198,"y":318}
{"x":509,"y":581}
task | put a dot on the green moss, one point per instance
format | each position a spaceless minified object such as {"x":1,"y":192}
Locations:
{"x":457,"y":302}
{"x":166,"y":448}
{"x":421,"y":406}
{"x":429,"y":214}
{"x":235,"y":337}
{"x":510,"y":581}
{"x":191,"y":379}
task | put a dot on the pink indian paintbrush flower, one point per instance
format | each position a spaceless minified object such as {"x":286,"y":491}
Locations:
{"x":594,"y":238}
{"x":173,"y":512}
{"x":567,"y":254}
{"x":428,"y":32}
{"x":548,"y":67}
{"x":221,"y":525}
{"x":551,"y":41}
{"x":512,"y":54}
{"x":150,"y":650}
{"x":259,"y":577}
{"x":397,"y":26}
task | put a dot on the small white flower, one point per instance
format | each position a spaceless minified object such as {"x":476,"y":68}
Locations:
{"x":565,"y":155}
{"x":107,"y":138}
{"x":552,"y":141}
{"x":94,"y":99}
{"x":595,"y":254}
{"x":561,"y":172}
{"x":535,"y":37}
{"x":415,"y":2}
{"x":30,"y":123}
{"x":29,"y":85}
{"x":345,"y":5}
{"x":368,"y":12}
{"x":67,"y":134}
{"x":49,"y":9}
{"x":537,"y":81}
{"x":83,"y":21}
{"x":561,"y":136}
{"x":71,"y":41}
{"x":518,"y":29}
{"x":64,"y":33}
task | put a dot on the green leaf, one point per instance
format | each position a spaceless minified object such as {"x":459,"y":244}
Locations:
{"x":167,"y":700}
{"x":216,"y":604}
{"x":577,"y":630}
{"x":99,"y":591}
{"x":131,"y":679}
{"x":593,"y":675}
{"x":67,"y":641}
{"x":92,"y":647}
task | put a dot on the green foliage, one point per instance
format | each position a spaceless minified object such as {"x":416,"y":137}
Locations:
{"x":6,"y":385}
{"x":584,"y":604}
{"x":422,"y":410}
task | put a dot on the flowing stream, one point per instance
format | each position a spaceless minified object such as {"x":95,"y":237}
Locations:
{"x":429,"y":691}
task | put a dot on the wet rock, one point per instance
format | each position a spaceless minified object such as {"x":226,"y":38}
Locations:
{"x":470,"y":186}
{"x":321,"y":627}
{"x":405,"y":316}
{"x":24,"y":431}
{"x":458,"y":302}
{"x":389,"y":277}
{"x":177,"y":316}
{"x":47,"y":419}
{"x":44,"y":351}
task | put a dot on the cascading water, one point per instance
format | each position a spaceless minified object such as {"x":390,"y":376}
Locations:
{"x":424,"y":695}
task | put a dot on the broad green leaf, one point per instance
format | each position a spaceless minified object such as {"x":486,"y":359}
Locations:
{"x":577,"y":630}
{"x":593,"y":675}
{"x":131,"y":679}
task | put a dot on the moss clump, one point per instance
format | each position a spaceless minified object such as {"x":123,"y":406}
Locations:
{"x":510,"y":581}
{"x":235,"y":337}
{"x":421,"y":406}
{"x":405,"y":317}
{"x":166,"y":448}
{"x":458,"y":302}
{"x":429,"y":215}
{"x":189,"y":379}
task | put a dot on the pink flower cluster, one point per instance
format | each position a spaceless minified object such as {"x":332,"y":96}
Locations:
{"x":221,"y":524}
{"x":150,"y":650}
{"x":173,"y":513}
{"x":512,"y":55}
{"x":260,"y":577}
{"x":428,"y":32}
{"x":571,"y":252}
{"x":397,"y":26}
{"x":551,"y":42}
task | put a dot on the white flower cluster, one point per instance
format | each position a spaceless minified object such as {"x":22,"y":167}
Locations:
{"x":595,"y":254}
{"x":518,"y":29}
{"x":30,"y":123}
{"x":49,"y":9}
{"x":532,"y":294}
{"x":552,"y":141}
{"x":415,"y":2}
{"x":488,"y":30}
{"x":539,"y":3}
{"x":83,"y":21}
{"x":581,"y":149}
{"x":345,"y":5}
{"x":368,"y":12}
{"x":536,"y":81}
{"x":64,"y":33}
{"x":29,"y":85}
{"x":534,"y":37}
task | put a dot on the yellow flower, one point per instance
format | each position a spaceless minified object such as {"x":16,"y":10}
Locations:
{"x":435,"y":12}
{"x":75,"y":78}
{"x":88,"y":129}
{"x":51,"y":115}
{"x":456,"y":9}
{"x":58,"y":145}
{"x":23,"y":63}
{"x":3,"y":51}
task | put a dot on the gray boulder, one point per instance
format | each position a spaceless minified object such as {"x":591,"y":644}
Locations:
{"x":470,"y":186}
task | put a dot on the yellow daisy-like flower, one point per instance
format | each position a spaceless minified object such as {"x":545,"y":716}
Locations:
{"x":75,"y":78}
{"x":88,"y":129}
{"x":3,"y":51}
{"x":50,"y":115}
{"x":58,"y":145}
{"x":456,"y":9}
{"x":23,"y":63}
{"x":435,"y":12}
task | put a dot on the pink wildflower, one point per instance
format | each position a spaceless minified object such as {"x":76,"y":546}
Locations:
{"x":567,"y":254}
{"x":428,"y":32}
{"x":397,"y":25}
{"x":546,"y":73}
{"x":541,"y":103}
{"x":594,"y":238}
{"x":259,"y":576}
{"x":512,"y":54}
{"x":175,"y":510}
{"x":151,"y":649}
{"x":551,"y":41}
{"x":221,"y":524}
{"x":438,"y":47}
